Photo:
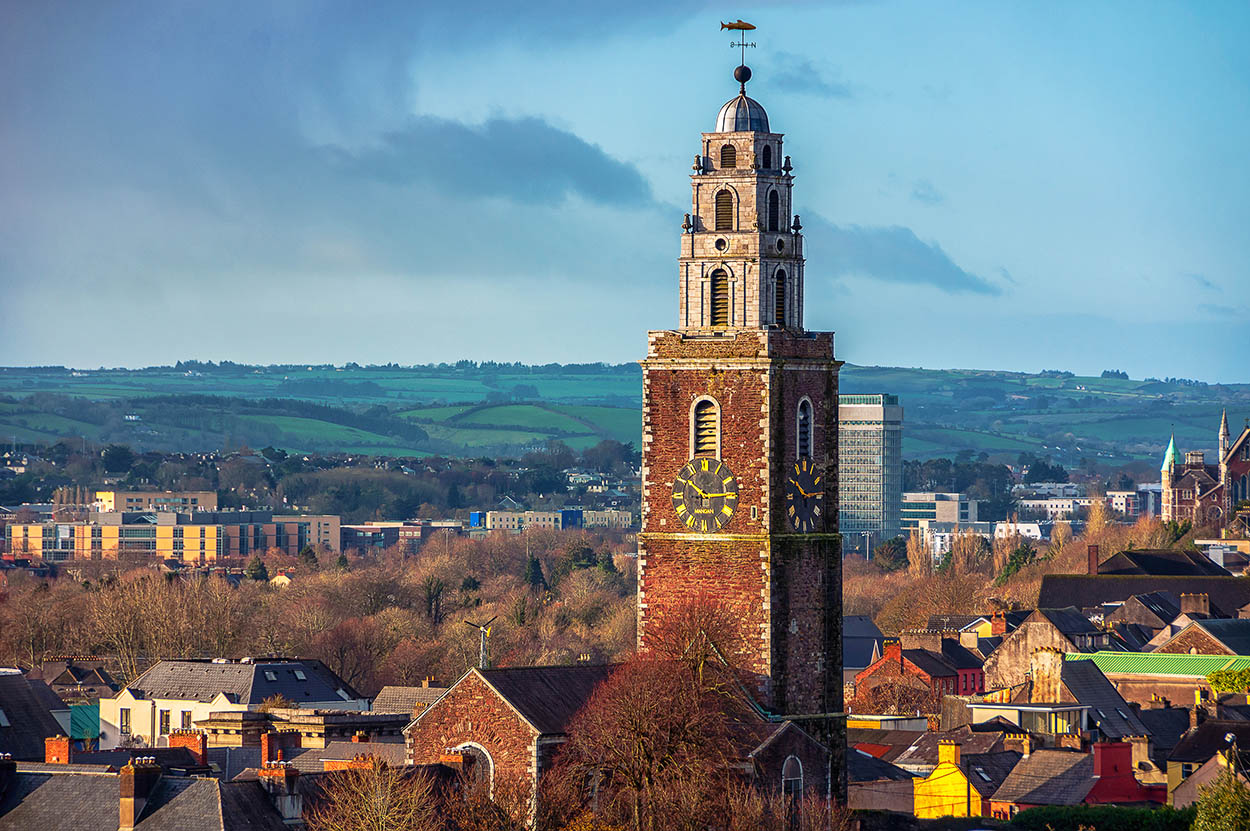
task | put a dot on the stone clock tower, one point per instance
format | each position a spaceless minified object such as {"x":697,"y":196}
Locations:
{"x":740,"y":432}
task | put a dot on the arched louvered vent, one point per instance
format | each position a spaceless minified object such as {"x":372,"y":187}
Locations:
{"x":768,"y":157}
{"x":724,"y":211}
{"x":805,"y":430}
{"x":779,"y":298}
{"x":728,"y":156}
{"x":774,"y":211}
{"x":706,"y":428}
{"x":720,"y":298}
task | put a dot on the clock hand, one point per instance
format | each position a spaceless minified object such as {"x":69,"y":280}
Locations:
{"x":715,"y":495}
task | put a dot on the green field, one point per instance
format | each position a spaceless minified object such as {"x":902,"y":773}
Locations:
{"x":506,"y":409}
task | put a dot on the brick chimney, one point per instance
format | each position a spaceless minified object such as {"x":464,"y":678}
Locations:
{"x":1093,"y":559}
{"x":195,"y":741}
{"x":274,"y":742}
{"x":1197,"y":603}
{"x":138,"y":780}
{"x":948,"y":751}
{"x":1113,"y":759}
{"x":57,"y":750}
{"x":360,"y":737}
{"x":281,"y":781}
{"x":930,"y":639}
{"x":998,"y":624}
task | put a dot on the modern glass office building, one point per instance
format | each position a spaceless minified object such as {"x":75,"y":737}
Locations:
{"x":870,"y":468}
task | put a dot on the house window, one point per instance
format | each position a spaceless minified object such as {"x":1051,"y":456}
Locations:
{"x":804,"y":442}
{"x":768,"y":157}
{"x":300,"y":676}
{"x":124,"y":720}
{"x":774,"y":211}
{"x":724,"y":211}
{"x":164,"y":722}
{"x":478,"y":766}
{"x":706,"y":428}
{"x":271,"y":676}
{"x":779,"y":298}
{"x":792,"y":777}
{"x":1187,"y":770}
{"x":728,"y":156}
{"x":720,"y":298}
{"x":186,"y":719}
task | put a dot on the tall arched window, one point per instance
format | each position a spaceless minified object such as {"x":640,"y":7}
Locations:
{"x":779,"y":298}
{"x":724,"y":210}
{"x":706,"y":428}
{"x":720,"y":298}
{"x":792,"y":777}
{"x":803,"y":443}
{"x":774,"y":211}
{"x":768,"y":157}
{"x":478,"y":766}
{"x":728,"y":156}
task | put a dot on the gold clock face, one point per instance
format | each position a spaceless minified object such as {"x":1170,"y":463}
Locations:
{"x":805,"y":496}
{"x":705,"y":495}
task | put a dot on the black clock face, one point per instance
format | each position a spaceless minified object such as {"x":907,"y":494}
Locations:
{"x":705,"y":494}
{"x":805,"y":496}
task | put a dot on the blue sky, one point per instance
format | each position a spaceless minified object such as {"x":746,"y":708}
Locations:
{"x":996,"y":185}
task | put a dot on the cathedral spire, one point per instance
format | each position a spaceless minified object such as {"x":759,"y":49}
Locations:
{"x":1225,"y":436}
{"x":1169,"y":455}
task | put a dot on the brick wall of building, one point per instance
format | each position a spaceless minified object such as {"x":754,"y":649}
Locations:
{"x":472,"y":713}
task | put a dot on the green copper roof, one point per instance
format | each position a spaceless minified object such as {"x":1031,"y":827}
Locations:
{"x":1161,"y":663}
{"x":1169,"y":455}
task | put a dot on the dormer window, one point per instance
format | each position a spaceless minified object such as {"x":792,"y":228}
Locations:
{"x":728,"y":157}
{"x":271,"y":676}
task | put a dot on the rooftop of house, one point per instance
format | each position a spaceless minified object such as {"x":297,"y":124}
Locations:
{"x":1211,"y":736}
{"x":1108,"y":709}
{"x":1049,"y":777}
{"x":396,"y":699}
{"x":244,"y":682}
{"x":548,"y":697}
{"x":25,"y":717}
{"x":1233,"y":633}
{"x":91,"y":802}
{"x":1069,"y":621}
{"x":1161,"y":562}
{"x":1160,"y":663}
{"x":987,"y":771}
{"x":924,"y":751}
{"x":312,"y":760}
{"x":864,"y":767}
{"x":1087,"y":591}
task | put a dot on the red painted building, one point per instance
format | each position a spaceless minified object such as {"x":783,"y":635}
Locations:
{"x":1070,"y":777}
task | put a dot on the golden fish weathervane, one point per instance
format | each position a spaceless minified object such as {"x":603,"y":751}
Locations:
{"x":738,"y":25}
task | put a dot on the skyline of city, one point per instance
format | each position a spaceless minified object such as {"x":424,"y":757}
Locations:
{"x":1015,"y":188}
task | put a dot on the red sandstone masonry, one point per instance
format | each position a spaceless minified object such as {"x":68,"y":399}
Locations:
{"x":472,"y":713}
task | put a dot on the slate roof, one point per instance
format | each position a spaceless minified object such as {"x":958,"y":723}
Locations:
{"x":1114,"y":717}
{"x":394,"y":699}
{"x":1162,"y":604}
{"x":1166,"y":725}
{"x":89,"y":802}
{"x":956,"y":622}
{"x":1202,"y":742}
{"x":930,"y":663}
{"x":47,"y":697}
{"x":166,"y":757}
{"x":1161,"y":562}
{"x":860,"y":626}
{"x":28,"y":718}
{"x":312,"y":760}
{"x":1133,"y":637}
{"x":860,"y":638}
{"x":959,"y":656}
{"x":924,"y":752}
{"x":882,"y":744}
{"x":987,"y":771}
{"x":1049,"y":777}
{"x":244,"y":683}
{"x":862,"y":767}
{"x":1083,"y":590}
{"x":1069,"y":621}
{"x":548,"y":697}
{"x":1234,"y":634}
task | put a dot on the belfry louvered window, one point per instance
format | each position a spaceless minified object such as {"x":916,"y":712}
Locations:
{"x":728,"y":157}
{"x":779,"y":298}
{"x":768,"y":157}
{"x":720,"y":298}
{"x":804,"y":443}
{"x":774,"y":211}
{"x":706,"y":428}
{"x":724,"y":211}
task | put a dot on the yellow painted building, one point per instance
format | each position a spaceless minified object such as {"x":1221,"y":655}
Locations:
{"x":947,"y":790}
{"x":176,"y":501}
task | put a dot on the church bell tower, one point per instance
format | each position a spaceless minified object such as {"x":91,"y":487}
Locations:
{"x":740,"y":433}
